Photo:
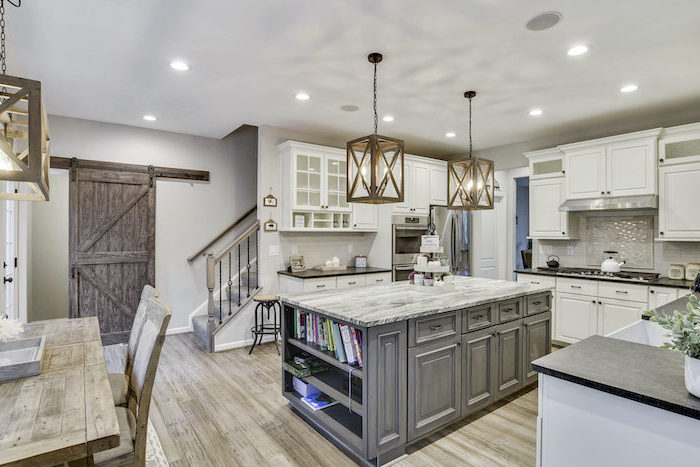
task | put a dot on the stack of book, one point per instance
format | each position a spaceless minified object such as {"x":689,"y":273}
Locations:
{"x":343,"y":340}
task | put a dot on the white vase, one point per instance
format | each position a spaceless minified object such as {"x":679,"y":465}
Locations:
{"x":692,"y":375}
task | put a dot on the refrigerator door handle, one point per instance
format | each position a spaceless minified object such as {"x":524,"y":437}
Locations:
{"x":453,"y":228}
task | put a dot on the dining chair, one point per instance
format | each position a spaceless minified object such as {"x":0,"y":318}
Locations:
{"x":133,"y":419}
{"x":119,"y":382}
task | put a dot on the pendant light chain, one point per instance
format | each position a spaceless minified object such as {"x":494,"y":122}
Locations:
{"x":375,"y":98}
{"x":470,"y":127}
{"x":3,"y":64}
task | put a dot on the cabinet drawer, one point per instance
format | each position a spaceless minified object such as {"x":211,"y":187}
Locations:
{"x":577,"y":286}
{"x":430,"y":328}
{"x":536,"y":279}
{"x":345,"y":282}
{"x":478,"y":317}
{"x":538,"y":303}
{"x":631,"y":292}
{"x":378,"y":278}
{"x":311,"y":285}
{"x":510,"y":310}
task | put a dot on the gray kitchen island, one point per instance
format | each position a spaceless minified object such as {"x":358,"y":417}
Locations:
{"x":430,"y":356}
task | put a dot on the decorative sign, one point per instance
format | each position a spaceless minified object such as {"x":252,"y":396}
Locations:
{"x":270,"y":201}
{"x":270,"y":225}
{"x":297,"y":263}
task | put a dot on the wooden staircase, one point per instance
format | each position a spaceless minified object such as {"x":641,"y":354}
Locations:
{"x":232,"y":281}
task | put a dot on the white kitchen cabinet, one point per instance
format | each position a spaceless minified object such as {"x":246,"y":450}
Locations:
{"x":417,"y":191}
{"x":660,"y":296}
{"x":335,"y":187}
{"x":616,"y":314}
{"x":365,"y":216}
{"x":577,"y":317}
{"x":347,"y":282}
{"x":546,"y":222}
{"x":291,"y":284}
{"x":405,"y":207}
{"x":438,"y":184}
{"x":623,"y":165}
{"x":679,"y":190}
{"x":680,"y":145}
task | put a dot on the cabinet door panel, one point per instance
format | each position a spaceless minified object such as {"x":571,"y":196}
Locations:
{"x":585,"y":173}
{"x":479,"y":367}
{"x":660,"y":296}
{"x":438,"y":185}
{"x":365,"y":216}
{"x":509,"y":354}
{"x":336,"y":184}
{"x":434,"y":387}
{"x":679,"y":189}
{"x":308,"y":181}
{"x":577,"y":317}
{"x":616,"y":314}
{"x":545,"y":218}
{"x":537,"y":335}
{"x":420,"y":188}
{"x":405,"y":206}
{"x":631,"y":168}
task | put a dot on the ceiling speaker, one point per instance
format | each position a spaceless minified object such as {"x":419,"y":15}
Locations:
{"x":544,"y":21}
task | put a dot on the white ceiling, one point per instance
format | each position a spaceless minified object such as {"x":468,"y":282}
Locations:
{"x":108,"y":61}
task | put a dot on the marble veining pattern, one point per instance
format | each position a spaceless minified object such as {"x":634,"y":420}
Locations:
{"x":381,"y":304}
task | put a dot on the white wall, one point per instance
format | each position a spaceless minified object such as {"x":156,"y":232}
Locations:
{"x":188,"y":214}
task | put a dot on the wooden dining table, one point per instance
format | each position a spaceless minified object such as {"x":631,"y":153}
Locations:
{"x":66,"y":413}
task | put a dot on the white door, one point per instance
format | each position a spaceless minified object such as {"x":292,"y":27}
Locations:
{"x":631,"y":168}
{"x":545,"y":219}
{"x":585,"y":173}
{"x":405,"y":207}
{"x":679,"y":190}
{"x":660,"y":296}
{"x":420,"y":188}
{"x":487,"y":241}
{"x":365,"y":216}
{"x":577,"y":317}
{"x":8,"y":237}
{"x":438,"y":185}
{"x":616,"y":314}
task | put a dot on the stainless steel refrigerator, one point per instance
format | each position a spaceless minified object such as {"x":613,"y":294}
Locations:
{"x":454,"y":229}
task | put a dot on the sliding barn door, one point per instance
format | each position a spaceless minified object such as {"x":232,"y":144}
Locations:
{"x":112,"y":246}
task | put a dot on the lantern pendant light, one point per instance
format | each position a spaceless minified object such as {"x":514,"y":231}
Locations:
{"x":470,"y":182}
{"x":375,"y":162}
{"x":24,"y":137}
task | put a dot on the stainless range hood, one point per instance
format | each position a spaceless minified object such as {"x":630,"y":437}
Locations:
{"x":615,"y":203}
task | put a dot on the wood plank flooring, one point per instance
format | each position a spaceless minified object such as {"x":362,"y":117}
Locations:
{"x":226,"y":408}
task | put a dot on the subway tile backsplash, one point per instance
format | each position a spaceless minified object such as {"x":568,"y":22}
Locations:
{"x":631,"y":234}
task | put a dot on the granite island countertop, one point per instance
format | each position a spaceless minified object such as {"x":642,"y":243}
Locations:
{"x":680,"y":304}
{"x":639,"y":372}
{"x":313,"y":273}
{"x":375,"y":305}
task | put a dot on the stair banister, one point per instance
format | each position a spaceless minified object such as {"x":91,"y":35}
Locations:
{"x":201,"y":251}
{"x":211,"y":266}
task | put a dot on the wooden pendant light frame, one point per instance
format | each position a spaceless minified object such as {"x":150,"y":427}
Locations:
{"x":23,"y":100}
{"x":381,"y":152}
{"x":460,"y":196}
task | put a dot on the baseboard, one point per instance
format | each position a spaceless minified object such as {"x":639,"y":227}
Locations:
{"x":239,"y":344}
{"x":181,"y":330}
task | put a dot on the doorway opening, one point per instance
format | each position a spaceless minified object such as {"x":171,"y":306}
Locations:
{"x":523,"y":245}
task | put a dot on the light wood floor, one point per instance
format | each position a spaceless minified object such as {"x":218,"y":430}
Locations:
{"x":227,"y":409}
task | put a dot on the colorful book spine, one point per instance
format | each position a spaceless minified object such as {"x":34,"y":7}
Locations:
{"x":340,"y":349}
{"x":357,"y":344}
{"x":347,"y":344}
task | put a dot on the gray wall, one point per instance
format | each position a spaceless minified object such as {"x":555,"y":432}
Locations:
{"x":188,"y":214}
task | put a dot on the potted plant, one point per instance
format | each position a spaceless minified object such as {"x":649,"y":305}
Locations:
{"x":685,"y":336}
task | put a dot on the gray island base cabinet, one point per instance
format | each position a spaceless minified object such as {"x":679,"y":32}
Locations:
{"x":421,"y":374}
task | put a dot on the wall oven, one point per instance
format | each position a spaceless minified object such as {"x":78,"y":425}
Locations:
{"x":405,"y":243}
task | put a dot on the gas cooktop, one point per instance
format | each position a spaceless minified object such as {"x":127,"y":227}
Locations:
{"x":598,"y":274}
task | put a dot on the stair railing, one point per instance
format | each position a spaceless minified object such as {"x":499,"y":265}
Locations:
{"x":201,"y":251}
{"x":236,"y":253}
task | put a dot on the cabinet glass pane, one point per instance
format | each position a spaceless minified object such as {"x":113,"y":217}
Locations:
{"x":343,"y":200}
{"x":315,"y":198}
{"x":302,"y":198}
{"x":302,"y":180}
{"x":315,"y":181}
{"x":680,"y":149}
{"x":332,"y":199}
{"x":315,"y":164}
{"x":547,"y":167}
{"x":332,"y":183}
{"x":302,"y":162}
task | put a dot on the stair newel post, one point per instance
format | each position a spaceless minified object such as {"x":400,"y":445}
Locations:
{"x":211,"y":265}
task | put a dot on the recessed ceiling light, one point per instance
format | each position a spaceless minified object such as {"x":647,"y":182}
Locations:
{"x":302,"y":96}
{"x":179,"y":65}
{"x":388,"y":118}
{"x":450,"y":134}
{"x":629,"y":88}
{"x":149,"y":118}
{"x":577,"y":50}
{"x":535,"y":112}
{"x":543,"y":21}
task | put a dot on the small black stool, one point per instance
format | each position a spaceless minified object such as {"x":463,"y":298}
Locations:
{"x":266,"y":302}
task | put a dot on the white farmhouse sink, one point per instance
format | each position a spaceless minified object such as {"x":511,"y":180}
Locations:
{"x":642,"y":332}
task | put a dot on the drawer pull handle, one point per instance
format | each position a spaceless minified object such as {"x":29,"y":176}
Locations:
{"x":621,"y":291}
{"x":537,"y":303}
{"x":575,"y":286}
{"x":380,"y":280}
{"x":534,"y":282}
{"x":352,"y":283}
{"x":436,"y":327}
{"x":477,"y":317}
{"x":320,"y":285}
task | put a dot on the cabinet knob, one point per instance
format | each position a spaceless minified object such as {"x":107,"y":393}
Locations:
{"x":661,"y":233}
{"x":593,"y":301}
{"x":661,"y":161}
{"x":651,"y":291}
{"x":608,"y":192}
{"x":563,"y":233}
{"x":600,"y":303}
{"x":602,"y":192}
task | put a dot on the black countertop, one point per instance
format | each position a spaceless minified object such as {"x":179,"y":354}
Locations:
{"x":314,"y":274}
{"x":661,"y":281}
{"x":638,"y":372}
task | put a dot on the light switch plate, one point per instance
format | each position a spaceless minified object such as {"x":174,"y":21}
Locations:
{"x":295,"y":250}
{"x":570,"y":251}
{"x":547,"y":249}
{"x":350,"y":248}
{"x":274,"y":250}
